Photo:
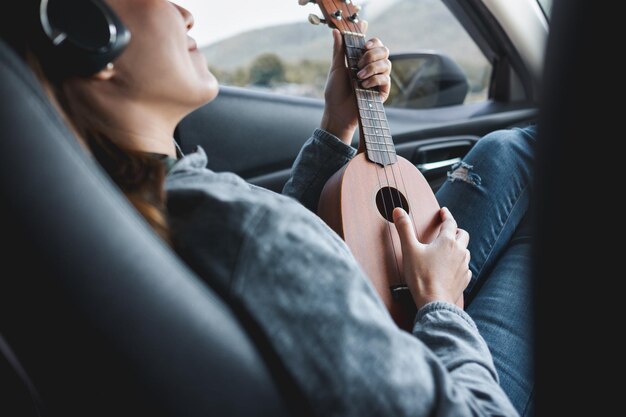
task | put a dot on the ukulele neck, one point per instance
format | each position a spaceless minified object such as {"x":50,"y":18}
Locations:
{"x":375,"y":137}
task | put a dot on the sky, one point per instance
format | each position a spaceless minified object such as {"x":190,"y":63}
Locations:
{"x":216,"y":20}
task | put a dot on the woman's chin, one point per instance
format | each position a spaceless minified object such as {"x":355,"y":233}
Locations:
{"x":211,"y":88}
{"x":210,"y":85}
{"x":205,"y":90}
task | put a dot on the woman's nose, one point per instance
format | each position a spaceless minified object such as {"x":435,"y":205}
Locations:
{"x":189,"y":21}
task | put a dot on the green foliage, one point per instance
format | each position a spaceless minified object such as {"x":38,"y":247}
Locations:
{"x":238,"y":77}
{"x":267,"y":70}
{"x":312,"y":73}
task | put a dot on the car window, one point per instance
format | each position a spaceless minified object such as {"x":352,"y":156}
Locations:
{"x":274,"y":48}
{"x":546,"y":6}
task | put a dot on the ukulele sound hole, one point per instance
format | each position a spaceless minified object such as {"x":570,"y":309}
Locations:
{"x":389,"y":198}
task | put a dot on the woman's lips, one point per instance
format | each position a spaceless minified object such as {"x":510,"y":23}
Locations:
{"x":193,"y":46}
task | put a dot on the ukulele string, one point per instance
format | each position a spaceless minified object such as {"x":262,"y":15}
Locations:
{"x":371,"y":99}
{"x":361,"y":46}
{"x":349,"y":48}
{"x":406,"y":190}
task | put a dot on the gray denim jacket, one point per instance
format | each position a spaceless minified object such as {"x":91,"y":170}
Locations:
{"x":321,"y":315}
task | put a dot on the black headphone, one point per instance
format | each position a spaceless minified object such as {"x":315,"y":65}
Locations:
{"x":81,"y":37}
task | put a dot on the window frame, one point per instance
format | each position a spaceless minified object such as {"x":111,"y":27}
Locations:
{"x":511,"y":81}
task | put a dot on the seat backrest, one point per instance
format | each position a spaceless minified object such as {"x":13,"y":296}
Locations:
{"x":103,"y":316}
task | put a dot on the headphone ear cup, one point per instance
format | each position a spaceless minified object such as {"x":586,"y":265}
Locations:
{"x":82,"y":36}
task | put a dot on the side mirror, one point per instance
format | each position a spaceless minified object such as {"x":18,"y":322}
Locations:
{"x":425,"y":80}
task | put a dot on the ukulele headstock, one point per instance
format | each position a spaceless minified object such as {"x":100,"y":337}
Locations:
{"x":339,"y":14}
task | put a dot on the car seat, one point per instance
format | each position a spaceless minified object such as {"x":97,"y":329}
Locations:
{"x":97,"y":315}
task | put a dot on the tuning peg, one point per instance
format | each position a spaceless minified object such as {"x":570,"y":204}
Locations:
{"x":357,"y":8}
{"x":354,"y":18}
{"x":305,"y":2}
{"x":338,"y":14}
{"x":316,"y":20}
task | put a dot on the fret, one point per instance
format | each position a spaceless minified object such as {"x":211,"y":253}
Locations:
{"x":387,"y":151}
{"x":371,"y":107}
{"x":374,"y":122}
{"x":378,"y":140}
{"x":374,"y":126}
{"x":379,"y":143}
{"x":377,"y":137}
{"x":361,"y":90}
{"x":375,"y":142}
{"x":379,"y":127}
{"x":374,"y":116}
{"x":377,"y":131}
{"x":383,"y":148}
{"x":372,"y":96}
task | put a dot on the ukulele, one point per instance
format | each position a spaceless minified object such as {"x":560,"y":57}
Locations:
{"x":357,"y":202}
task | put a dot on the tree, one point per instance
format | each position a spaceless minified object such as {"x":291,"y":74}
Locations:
{"x":267,"y":69}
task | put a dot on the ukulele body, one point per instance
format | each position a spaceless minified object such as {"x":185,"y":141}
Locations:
{"x":357,"y":203}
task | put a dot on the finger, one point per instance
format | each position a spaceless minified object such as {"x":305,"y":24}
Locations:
{"x":373,"y":43}
{"x":468,"y":257}
{"x":378,"y":67}
{"x":449,"y":226}
{"x":339,"y":60}
{"x":376,"y":54}
{"x":404,"y":226}
{"x":376,"y":80}
{"x":462,"y":237}
{"x":468,"y":278}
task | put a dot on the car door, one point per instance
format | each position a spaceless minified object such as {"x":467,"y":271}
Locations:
{"x":256,"y":127}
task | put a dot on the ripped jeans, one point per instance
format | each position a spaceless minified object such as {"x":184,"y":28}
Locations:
{"x":489,"y":195}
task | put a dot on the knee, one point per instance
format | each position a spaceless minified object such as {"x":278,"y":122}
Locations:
{"x":513,"y":145}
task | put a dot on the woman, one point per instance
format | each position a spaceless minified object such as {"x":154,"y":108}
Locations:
{"x":272,"y":257}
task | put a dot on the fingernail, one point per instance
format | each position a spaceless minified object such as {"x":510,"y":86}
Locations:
{"x":369,"y":44}
{"x":361,"y":74}
{"x":366,"y":84}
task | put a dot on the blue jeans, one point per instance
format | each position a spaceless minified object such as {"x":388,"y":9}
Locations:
{"x":489,"y":194}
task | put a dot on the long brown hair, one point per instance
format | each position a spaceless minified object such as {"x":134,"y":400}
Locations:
{"x":139,"y":175}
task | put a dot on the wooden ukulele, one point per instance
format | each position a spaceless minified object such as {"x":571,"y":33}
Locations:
{"x":357,"y":202}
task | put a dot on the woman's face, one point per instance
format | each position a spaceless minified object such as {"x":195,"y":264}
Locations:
{"x":162,"y":63}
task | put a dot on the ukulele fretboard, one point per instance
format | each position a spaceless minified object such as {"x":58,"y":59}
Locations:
{"x":375,"y":132}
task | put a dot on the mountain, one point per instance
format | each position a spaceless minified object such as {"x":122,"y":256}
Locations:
{"x":292,"y":42}
{"x":405,"y":26}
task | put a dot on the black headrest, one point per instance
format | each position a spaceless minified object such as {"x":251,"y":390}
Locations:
{"x":102,"y":314}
